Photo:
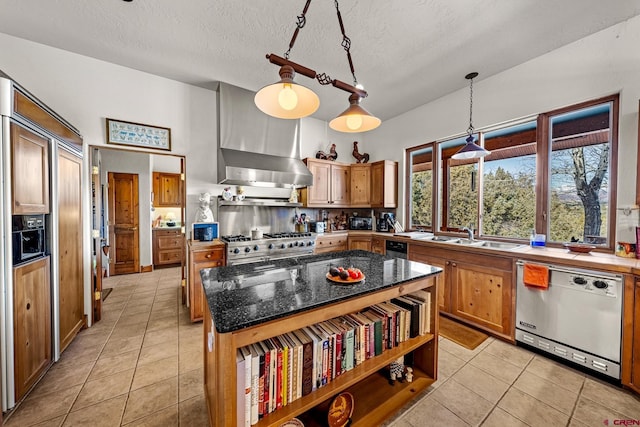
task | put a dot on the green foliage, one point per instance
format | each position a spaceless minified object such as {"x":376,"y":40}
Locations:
{"x":421,"y":199}
{"x":463,"y":197}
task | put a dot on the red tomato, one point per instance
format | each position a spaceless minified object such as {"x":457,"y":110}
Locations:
{"x":360,"y":275}
{"x":353,"y":274}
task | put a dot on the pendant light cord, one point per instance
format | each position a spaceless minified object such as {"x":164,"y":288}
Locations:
{"x":346,"y":43}
{"x":470,"y":128}
{"x":300,"y":23}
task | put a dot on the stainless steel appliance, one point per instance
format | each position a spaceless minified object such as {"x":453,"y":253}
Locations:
{"x":241,"y":249}
{"x":577,"y":318}
{"x":359,"y":223}
{"x":385,"y":221}
{"x":28,"y":233}
{"x":396,"y":249}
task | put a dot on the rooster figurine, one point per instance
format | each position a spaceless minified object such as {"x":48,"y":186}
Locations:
{"x":361,"y":158}
{"x":331,"y":155}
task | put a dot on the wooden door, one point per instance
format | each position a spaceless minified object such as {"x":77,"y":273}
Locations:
{"x":70,"y":251}
{"x":360,"y":185}
{"x":340,"y":183}
{"x":30,"y":171}
{"x":31,"y":323}
{"x":96,"y":202}
{"x":123,"y":223}
{"x":481,"y":295}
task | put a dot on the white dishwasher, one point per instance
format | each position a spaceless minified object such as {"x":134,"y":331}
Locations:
{"x":577,"y":318}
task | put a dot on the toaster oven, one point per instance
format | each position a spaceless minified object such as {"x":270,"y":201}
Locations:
{"x":359,"y":223}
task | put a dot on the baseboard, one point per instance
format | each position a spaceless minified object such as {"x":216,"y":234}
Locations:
{"x":146,"y":268}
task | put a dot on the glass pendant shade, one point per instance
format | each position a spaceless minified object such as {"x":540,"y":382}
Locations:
{"x":355,"y":118}
{"x":470,"y":150}
{"x":286,"y":99}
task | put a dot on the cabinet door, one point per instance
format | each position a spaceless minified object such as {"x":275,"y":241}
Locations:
{"x":167,"y":188}
{"x":31,"y":323}
{"x":320,"y":192}
{"x":361,"y":185}
{"x":210,"y":257}
{"x":30,"y":172}
{"x":71,"y":273}
{"x":340,"y":183}
{"x":360,"y":242}
{"x":384,"y":184}
{"x":444,"y":289}
{"x":481,"y":295}
{"x":635,"y":364}
{"x":378,"y":245}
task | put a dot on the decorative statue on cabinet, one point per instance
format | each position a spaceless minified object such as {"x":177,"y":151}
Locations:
{"x":360,"y":158}
{"x":331,"y":155}
{"x":204,"y":214}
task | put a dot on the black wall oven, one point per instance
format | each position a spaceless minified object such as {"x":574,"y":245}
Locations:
{"x":28,"y":237}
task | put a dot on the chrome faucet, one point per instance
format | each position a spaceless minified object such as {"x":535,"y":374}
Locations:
{"x":469,"y":231}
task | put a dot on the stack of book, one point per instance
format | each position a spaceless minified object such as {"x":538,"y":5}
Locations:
{"x":275,"y":372}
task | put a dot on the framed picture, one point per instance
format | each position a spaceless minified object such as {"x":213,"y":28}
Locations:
{"x":138,"y":135}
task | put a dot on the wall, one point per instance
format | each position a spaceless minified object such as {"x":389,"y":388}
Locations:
{"x":604,"y":63}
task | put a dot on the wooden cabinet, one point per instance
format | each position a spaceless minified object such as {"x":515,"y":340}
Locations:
{"x":331,"y":182}
{"x":167,"y":189}
{"x":384,"y":184}
{"x":331,"y":243}
{"x":31,"y":323}
{"x":631,"y":334}
{"x":359,"y":242}
{"x":475,"y":288}
{"x":30,"y":172}
{"x":376,"y":400}
{"x":378,"y":245}
{"x":202,"y":255}
{"x":70,"y":246}
{"x":168,"y":247}
{"x":361,"y":185}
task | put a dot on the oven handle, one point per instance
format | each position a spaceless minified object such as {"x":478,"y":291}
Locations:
{"x":602,"y":274}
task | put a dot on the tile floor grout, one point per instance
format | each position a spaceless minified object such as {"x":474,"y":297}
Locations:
{"x":158,"y":399}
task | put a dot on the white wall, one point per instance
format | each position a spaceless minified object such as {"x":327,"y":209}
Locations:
{"x":604,"y":63}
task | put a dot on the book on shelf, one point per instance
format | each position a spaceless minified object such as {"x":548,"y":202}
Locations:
{"x":414,"y":309}
{"x":358,"y":338}
{"x":284,"y":369}
{"x":240,"y":389}
{"x":273,"y":372}
{"x":307,"y":361}
{"x":316,"y":375}
{"x":329,"y":362}
{"x":295,"y":360}
{"x":246,"y":353}
{"x":424,"y":296}
{"x":261,"y":370}
{"x":278,"y":377}
{"x":389,"y":327}
{"x":339,"y":350}
{"x":255,"y":375}
{"x":266,"y":378}
{"x":376,"y":320}
{"x":420,"y":325}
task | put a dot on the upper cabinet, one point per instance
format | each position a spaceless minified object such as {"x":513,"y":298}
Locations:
{"x":384,"y":184}
{"x":30,"y":166}
{"x":358,"y":185}
{"x":331,"y":182}
{"x":167,"y":189}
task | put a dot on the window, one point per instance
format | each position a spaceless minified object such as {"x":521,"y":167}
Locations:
{"x":421,"y":185}
{"x":554,"y":173}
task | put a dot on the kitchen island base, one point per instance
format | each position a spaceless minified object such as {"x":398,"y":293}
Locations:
{"x":376,"y":400}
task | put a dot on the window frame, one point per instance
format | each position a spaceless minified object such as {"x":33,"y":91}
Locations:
{"x":440,"y":180}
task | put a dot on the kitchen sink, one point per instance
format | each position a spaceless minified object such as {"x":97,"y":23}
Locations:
{"x":499,"y":245}
{"x":444,"y":239}
{"x":467,"y":242}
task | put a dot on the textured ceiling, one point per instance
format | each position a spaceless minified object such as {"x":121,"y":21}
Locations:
{"x":406,"y":53}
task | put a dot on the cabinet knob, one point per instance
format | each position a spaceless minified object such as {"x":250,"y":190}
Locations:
{"x":447,"y":263}
{"x":454,"y":264}
{"x":208,"y":256}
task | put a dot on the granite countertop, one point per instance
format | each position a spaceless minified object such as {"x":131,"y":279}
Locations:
{"x":244,"y":295}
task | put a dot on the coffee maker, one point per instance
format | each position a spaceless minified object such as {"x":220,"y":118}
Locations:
{"x":385,"y":221}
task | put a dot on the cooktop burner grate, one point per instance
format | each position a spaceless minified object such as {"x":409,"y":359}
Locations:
{"x":236,"y":238}
{"x":287,"y":235}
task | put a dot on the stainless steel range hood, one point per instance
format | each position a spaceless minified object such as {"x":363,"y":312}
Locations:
{"x":254,"y":148}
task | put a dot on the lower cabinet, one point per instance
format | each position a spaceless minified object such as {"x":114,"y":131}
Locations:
{"x":359,"y":242}
{"x":168,"y":247}
{"x":378,"y":245}
{"x":202,"y":255}
{"x":31,"y":323}
{"x":331,"y":243}
{"x":631,"y":334}
{"x":475,"y":288}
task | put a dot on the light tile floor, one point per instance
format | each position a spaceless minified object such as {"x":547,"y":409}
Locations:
{"x":142,"y":365}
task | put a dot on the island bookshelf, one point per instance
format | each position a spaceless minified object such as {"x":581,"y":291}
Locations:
{"x":375,"y":399}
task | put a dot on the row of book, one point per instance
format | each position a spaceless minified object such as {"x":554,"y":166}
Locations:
{"x":277,"y":371}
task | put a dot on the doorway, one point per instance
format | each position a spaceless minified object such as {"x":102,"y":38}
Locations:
{"x":114,"y":241}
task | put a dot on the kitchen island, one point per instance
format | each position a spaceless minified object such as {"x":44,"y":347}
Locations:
{"x":249,"y":303}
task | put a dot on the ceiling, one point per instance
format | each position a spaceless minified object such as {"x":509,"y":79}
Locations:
{"x":406,"y":53}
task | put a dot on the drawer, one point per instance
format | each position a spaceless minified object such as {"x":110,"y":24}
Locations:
{"x":170,"y":242}
{"x":170,"y":257}
{"x":171,"y":233}
{"x":210,"y":255}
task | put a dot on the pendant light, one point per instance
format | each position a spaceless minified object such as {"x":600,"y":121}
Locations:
{"x":471,"y":150}
{"x":286,"y":99}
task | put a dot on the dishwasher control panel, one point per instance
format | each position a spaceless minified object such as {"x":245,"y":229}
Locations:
{"x":577,"y":280}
